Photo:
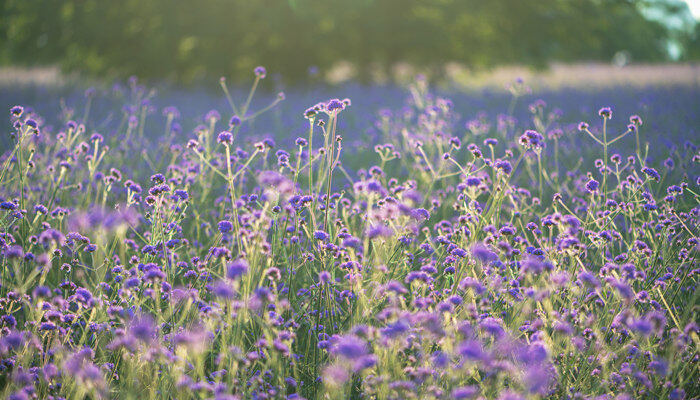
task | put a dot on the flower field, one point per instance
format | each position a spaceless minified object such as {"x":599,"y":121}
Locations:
{"x":408,"y":243}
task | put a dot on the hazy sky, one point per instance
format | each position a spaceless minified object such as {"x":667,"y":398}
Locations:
{"x":694,"y":7}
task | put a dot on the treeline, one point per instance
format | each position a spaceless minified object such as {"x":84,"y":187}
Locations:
{"x":192,"y":39}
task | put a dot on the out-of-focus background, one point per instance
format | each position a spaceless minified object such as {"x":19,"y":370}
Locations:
{"x":639,"y":57}
{"x":468,"y":41}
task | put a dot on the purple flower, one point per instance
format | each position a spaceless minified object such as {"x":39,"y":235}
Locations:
{"x":464,"y":392}
{"x":588,"y":279}
{"x":537,"y":379}
{"x":234,"y":121}
{"x":143,"y":328}
{"x":41,"y":292}
{"x":223,"y":290}
{"x":651,"y":173}
{"x":396,"y":287}
{"x":8,"y":205}
{"x":236,"y":269}
{"x":532,"y":139}
{"x":473,"y":181}
{"x":320,"y":235}
{"x":420,"y":213}
{"x":334,"y":106}
{"x":492,"y":326}
{"x":504,"y":166}
{"x":379,"y":230}
{"x":533,"y":265}
{"x":483,"y":253}
{"x":394,"y":330}
{"x":225,"y":138}
{"x":16,"y":111}
{"x":349,"y":347}
{"x":335,"y":375}
{"x":225,"y":226}
{"x":677,"y":394}
{"x":324,"y":277}
{"x":592,"y":185}
{"x":260,"y":72}
{"x":472,"y":350}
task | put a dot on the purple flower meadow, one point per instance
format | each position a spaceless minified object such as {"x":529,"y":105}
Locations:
{"x":436,"y":257}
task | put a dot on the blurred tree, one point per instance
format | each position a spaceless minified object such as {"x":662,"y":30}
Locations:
{"x":190,"y":40}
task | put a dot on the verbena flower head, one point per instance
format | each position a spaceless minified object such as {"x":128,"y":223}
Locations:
{"x":225,"y":226}
{"x":592,"y":185}
{"x":260,"y":72}
{"x":334,"y":106}
{"x":532,"y":139}
{"x":234,"y":121}
{"x":504,"y":166}
{"x":349,"y":347}
{"x":16,"y":111}
{"x":320,"y":235}
{"x":651,"y":173}
{"x":236,"y":269}
{"x":225,"y":138}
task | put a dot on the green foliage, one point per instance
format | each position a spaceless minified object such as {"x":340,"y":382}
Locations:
{"x":188,"y":40}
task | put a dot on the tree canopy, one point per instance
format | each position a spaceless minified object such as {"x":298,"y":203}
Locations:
{"x":187,"y":40}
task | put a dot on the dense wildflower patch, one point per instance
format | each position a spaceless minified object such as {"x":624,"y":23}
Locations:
{"x":459,"y":262}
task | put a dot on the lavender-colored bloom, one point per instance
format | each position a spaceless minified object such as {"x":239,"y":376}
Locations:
{"x":395,"y":329}
{"x":236,"y":269}
{"x":483,"y":253}
{"x":652,"y":173}
{"x":379,"y":230}
{"x":334,"y":105}
{"x":532,"y":139}
{"x":464,"y":392}
{"x":8,"y":205}
{"x":537,"y":379}
{"x":225,"y":226}
{"x":41,"y":292}
{"x":321,"y":235}
{"x":225,"y":137}
{"x":677,"y":394}
{"x":533,"y":265}
{"x":472,"y":350}
{"x":473,"y":181}
{"x":349,"y":347}
{"x":260,"y":72}
{"x":588,"y":278}
{"x":335,"y":375}
{"x":623,"y":289}
{"x":396,"y":287}
{"x":223,"y":290}
{"x":605,"y":112}
{"x":16,"y":111}
{"x":420,"y":213}
{"x":504,"y":166}
{"x":234,"y":121}
{"x":592,"y":185}
{"x":492,"y":326}
{"x":324,"y":277}
{"x":143,"y":328}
